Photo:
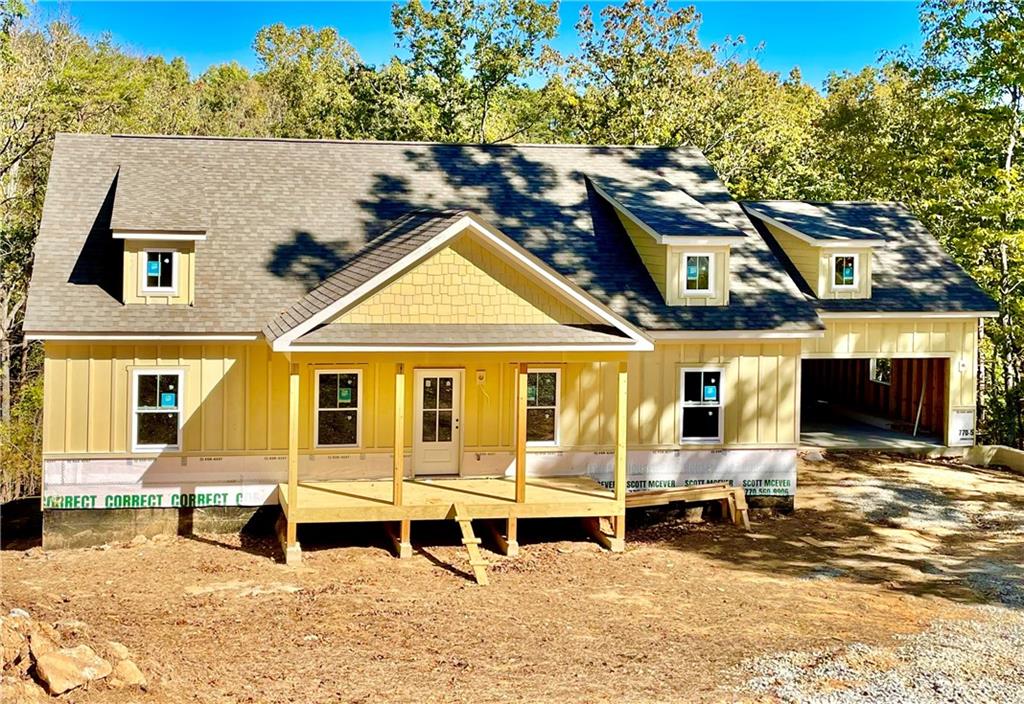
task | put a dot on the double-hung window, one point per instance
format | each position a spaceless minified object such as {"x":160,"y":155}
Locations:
{"x":542,"y":406}
{"x":338,"y":408}
{"x":702,"y":405}
{"x":159,"y":271}
{"x":156,"y":409}
{"x":844,"y":271}
{"x":697,"y":275}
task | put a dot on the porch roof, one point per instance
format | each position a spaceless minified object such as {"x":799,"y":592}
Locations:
{"x":430,"y":336}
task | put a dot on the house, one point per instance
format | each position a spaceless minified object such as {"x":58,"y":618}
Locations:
{"x":367,"y":331}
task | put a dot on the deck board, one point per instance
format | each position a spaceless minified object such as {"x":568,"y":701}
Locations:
{"x":432,"y":499}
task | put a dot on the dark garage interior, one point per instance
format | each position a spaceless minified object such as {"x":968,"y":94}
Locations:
{"x":873,"y":403}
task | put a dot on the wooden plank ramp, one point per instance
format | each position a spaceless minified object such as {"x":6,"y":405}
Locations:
{"x":472,"y":543}
{"x":733,"y":499}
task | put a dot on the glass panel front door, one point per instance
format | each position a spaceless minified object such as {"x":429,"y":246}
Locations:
{"x":437,"y":442}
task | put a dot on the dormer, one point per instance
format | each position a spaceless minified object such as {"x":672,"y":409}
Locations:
{"x":684,"y":244}
{"x":159,"y":215}
{"x":833,"y":257}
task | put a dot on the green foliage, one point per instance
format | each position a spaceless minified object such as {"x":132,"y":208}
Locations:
{"x":941,"y":132}
{"x":21,"y":438}
{"x":468,"y":56}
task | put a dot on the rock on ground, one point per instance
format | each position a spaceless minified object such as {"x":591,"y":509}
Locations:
{"x":68,"y":668}
{"x":118,"y":650}
{"x":127,"y":673}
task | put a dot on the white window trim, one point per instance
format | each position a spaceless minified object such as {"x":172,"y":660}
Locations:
{"x":871,"y":371}
{"x":162,"y":371}
{"x":701,"y":292}
{"x":832,"y":271}
{"x":175,"y":272}
{"x":558,"y":406}
{"x":358,"y":408}
{"x":721,"y":406}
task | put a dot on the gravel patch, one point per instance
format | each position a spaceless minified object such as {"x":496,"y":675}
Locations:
{"x":976,"y":660}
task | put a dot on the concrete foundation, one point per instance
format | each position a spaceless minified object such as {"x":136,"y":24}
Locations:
{"x":84,"y":528}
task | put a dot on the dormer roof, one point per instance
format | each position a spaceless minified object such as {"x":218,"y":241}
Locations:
{"x":668,"y":213}
{"x":815,"y":223}
{"x":159,"y":200}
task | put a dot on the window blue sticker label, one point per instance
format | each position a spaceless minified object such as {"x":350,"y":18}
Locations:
{"x":168,"y":399}
{"x":153,"y":268}
{"x":691,"y":270}
{"x":344,"y":395}
{"x":848,"y":272}
{"x":710,"y":393}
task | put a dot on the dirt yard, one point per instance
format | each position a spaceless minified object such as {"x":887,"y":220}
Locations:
{"x":823,"y":605}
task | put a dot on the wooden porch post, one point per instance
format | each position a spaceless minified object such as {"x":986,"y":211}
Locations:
{"x":399,"y":450}
{"x":521,"y":383}
{"x":292,"y":552}
{"x":621,"y":427}
{"x":403,"y":544}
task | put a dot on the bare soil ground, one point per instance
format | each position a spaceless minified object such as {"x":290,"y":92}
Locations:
{"x":879,"y":549}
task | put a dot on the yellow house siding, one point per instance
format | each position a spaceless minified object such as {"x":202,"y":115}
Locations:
{"x":133,"y":293}
{"x":235,"y":396}
{"x":806,"y":258}
{"x":463,"y":283}
{"x":720,"y":277}
{"x":653,"y":255}
{"x":759,"y":390}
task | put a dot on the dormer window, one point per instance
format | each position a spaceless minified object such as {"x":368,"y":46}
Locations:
{"x":160,"y":268}
{"x":844,"y":271}
{"x":697,"y":274}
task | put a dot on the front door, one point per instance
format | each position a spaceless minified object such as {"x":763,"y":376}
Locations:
{"x":437,"y":421}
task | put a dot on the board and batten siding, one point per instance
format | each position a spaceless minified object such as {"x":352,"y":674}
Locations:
{"x":759,"y":388}
{"x":236,"y":396}
{"x":653,"y":255}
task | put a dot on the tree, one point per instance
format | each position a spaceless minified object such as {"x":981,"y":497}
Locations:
{"x":306,"y":75}
{"x":468,"y":57}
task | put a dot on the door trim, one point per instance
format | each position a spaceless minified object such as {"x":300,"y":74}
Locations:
{"x":458,"y":405}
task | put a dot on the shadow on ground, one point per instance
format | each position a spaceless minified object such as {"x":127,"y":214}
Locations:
{"x":919,"y":527}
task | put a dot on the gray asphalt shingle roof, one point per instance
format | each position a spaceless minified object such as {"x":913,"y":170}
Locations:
{"x":284,"y":215}
{"x":407,"y":234}
{"x":813,"y":219}
{"x":666,"y":209}
{"x":910,"y":272}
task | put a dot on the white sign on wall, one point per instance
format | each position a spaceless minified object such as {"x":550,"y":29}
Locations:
{"x":961,"y":427}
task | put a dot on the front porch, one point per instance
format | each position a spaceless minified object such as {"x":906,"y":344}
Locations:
{"x":409,"y":496}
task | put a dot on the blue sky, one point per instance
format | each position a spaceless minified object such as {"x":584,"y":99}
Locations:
{"x":819,"y":37}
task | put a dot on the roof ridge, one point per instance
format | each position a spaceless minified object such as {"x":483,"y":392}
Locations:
{"x":322,"y":140}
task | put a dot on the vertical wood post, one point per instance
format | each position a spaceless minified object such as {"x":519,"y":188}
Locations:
{"x":521,"y":384}
{"x":621,"y":415}
{"x":291,"y":538}
{"x":399,"y":449}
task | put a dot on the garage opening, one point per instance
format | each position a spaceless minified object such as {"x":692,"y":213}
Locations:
{"x":880,"y":403}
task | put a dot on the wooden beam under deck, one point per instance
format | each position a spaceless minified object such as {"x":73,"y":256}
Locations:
{"x":357,"y":501}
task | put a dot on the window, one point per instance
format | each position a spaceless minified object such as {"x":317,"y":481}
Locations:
{"x":337,"y":408}
{"x":156,"y":409}
{"x":881,"y":371}
{"x":701,"y":411}
{"x":542,"y":407}
{"x":844,"y":271}
{"x":438,"y":408}
{"x":697,"y":274}
{"x":159,"y":271}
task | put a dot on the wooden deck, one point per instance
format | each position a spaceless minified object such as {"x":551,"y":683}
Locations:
{"x":432,"y":499}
